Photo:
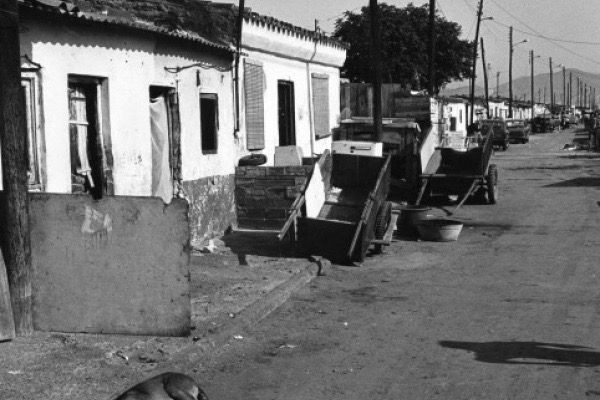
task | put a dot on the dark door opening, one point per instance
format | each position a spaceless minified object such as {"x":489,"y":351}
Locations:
{"x":452,"y":124}
{"x":87,"y":172}
{"x":287,"y":118}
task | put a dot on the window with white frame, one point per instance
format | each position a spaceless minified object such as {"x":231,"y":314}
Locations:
{"x":31,"y":95}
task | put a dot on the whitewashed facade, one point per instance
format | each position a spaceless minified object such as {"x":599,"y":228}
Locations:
{"x":288,"y":58}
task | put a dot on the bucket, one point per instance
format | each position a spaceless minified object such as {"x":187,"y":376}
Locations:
{"x":439,"y":230}
{"x":410,"y":216}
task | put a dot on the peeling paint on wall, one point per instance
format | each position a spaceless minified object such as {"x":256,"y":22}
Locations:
{"x":211,"y":207}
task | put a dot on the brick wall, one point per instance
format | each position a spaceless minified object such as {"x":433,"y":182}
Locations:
{"x":264,"y":194}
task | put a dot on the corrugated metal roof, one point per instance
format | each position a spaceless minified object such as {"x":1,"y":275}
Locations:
{"x":66,"y":10}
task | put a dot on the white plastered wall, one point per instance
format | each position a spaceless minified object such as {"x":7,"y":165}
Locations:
{"x":131,"y":63}
{"x":289,"y":57}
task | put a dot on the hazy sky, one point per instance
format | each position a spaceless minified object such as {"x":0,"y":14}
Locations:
{"x":567,"y":20}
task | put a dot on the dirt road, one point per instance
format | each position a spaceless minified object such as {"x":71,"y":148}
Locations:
{"x":510,"y":311}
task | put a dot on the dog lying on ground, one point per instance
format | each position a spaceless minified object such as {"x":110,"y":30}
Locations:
{"x":167,"y":386}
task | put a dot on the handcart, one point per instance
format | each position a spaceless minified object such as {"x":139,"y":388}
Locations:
{"x":343,"y":209}
{"x":461,"y":173}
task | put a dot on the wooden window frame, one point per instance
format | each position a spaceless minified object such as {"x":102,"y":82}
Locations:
{"x":102,"y":125}
{"x":30,"y":79}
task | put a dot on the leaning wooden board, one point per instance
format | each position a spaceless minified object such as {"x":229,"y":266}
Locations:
{"x":7,"y":326}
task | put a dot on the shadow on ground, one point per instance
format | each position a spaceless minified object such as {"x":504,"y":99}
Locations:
{"x":535,"y":353}
{"x":257,"y":243}
{"x":577,"y":182}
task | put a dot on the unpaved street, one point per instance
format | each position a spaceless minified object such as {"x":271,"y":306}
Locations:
{"x":510,"y":311}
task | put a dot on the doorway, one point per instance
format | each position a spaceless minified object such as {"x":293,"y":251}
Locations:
{"x":287,"y":117}
{"x":161,"y":131}
{"x":90,"y":169}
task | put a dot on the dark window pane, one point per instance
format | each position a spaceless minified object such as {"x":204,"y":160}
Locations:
{"x":209,"y":123}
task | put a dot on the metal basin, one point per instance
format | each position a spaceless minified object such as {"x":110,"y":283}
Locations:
{"x":439,"y":229}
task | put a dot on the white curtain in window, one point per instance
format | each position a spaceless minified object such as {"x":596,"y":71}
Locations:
{"x":162,"y":181}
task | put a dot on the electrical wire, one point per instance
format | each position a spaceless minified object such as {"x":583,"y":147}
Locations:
{"x":541,"y":36}
{"x":474,"y":21}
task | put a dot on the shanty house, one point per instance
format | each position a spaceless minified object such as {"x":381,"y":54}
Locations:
{"x":291,"y":86}
{"x":127,"y":99}
{"x":119,"y":106}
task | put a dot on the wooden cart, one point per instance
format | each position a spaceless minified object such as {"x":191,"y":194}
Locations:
{"x":343,"y":209}
{"x":462,"y":173}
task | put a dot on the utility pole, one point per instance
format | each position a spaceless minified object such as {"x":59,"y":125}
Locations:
{"x":545,"y":95}
{"x":473,"y":78}
{"x":539,"y":95}
{"x":432,"y":85}
{"x":579,"y":92}
{"x":585,"y":94}
{"x":551,"y":88}
{"x":510,"y":59}
{"x":376,"y":60}
{"x":570,"y":89}
{"x":485,"y":79}
{"x":497,"y":84}
{"x":532,"y":84}
{"x":15,"y":235}
{"x":564,"y":88}
{"x":239,"y":25}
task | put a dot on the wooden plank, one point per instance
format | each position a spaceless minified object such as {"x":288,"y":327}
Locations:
{"x":326,"y":238}
{"x":466,"y":195}
{"x":7,"y":325}
{"x":324,"y":165}
{"x":367,"y":220}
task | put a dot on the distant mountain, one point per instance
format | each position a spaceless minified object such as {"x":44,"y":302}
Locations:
{"x":522,"y":86}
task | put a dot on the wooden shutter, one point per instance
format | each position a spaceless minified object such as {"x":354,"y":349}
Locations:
{"x":320,"y":95}
{"x":255,"y":105}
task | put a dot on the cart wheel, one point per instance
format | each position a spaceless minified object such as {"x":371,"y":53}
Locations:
{"x":492,"y":184}
{"x":382,"y":221}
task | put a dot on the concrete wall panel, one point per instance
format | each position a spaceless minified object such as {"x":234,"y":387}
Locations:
{"x":119,"y":265}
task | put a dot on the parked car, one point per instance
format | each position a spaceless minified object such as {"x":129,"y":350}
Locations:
{"x":518,"y":130}
{"x":544,"y":123}
{"x":498,"y":129}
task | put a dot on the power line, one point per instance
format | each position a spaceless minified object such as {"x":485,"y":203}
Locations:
{"x":474,"y":21}
{"x":541,"y":36}
{"x":553,"y":42}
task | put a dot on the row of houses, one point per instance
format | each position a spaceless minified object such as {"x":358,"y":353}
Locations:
{"x":119,"y":105}
{"x":456,"y":111}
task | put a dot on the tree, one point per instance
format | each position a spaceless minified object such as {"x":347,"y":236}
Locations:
{"x":404,"y":47}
